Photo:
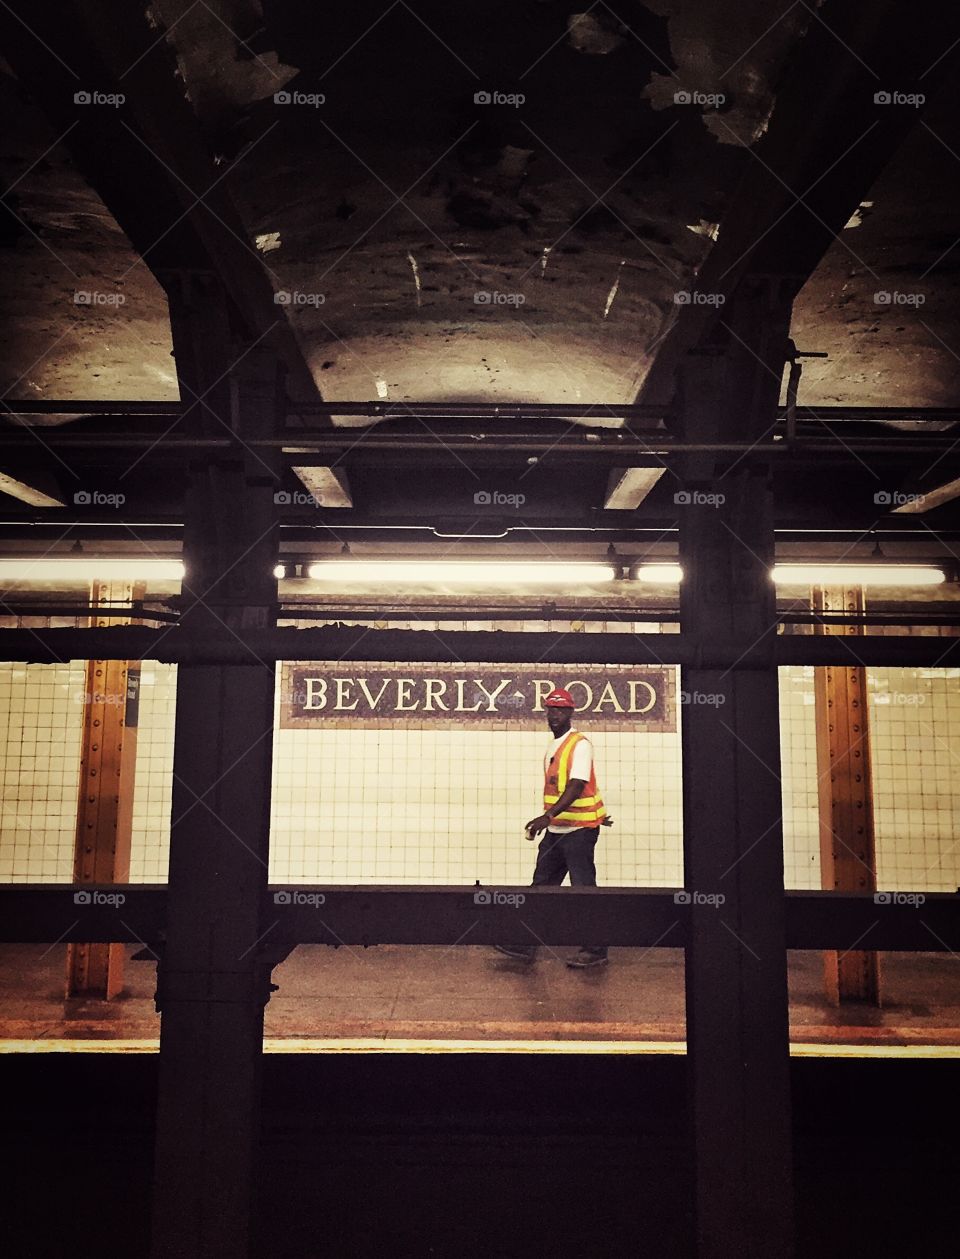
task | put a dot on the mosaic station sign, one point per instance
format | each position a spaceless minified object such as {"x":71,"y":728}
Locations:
{"x":641,"y":698}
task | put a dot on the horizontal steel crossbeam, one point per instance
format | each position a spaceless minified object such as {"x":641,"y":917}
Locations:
{"x":368,"y":915}
{"x":356,"y":643}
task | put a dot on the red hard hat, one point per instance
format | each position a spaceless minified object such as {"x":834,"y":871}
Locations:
{"x":559,"y":699}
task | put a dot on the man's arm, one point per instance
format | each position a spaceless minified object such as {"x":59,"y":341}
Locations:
{"x":571,"y":792}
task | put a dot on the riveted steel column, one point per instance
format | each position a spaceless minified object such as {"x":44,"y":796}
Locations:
{"x":108,"y":763}
{"x":736,"y":985}
{"x":848,"y":852}
{"x":212,"y":985}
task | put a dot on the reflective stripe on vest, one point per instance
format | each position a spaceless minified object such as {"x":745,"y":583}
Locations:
{"x":587,"y":809}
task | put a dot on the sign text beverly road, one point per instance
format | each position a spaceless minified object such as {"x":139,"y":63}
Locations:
{"x":640,"y":698}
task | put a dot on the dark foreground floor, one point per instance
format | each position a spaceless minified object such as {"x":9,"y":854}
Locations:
{"x":501,"y":1156}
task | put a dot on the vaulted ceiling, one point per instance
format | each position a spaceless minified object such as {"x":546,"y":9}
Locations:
{"x":496,"y":201}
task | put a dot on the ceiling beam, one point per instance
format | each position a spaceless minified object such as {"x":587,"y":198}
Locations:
{"x":26,"y":493}
{"x":328,"y":486}
{"x":146,"y":157}
{"x":495,"y":414}
{"x":628,"y":487}
{"x":919,"y":503}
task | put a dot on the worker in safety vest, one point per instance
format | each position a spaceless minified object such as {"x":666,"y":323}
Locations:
{"x":573,"y":813}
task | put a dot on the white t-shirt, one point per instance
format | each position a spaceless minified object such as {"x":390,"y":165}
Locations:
{"x":581,"y":764}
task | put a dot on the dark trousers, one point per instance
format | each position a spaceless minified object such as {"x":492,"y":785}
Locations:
{"x":568,"y":852}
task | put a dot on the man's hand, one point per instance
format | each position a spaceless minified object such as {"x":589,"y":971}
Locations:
{"x":606,"y":821}
{"x":537,"y":824}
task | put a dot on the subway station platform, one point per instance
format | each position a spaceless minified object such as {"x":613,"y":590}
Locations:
{"x":421,"y":999}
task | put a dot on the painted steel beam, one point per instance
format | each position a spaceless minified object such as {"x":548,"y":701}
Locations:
{"x":358,"y":914}
{"x":848,"y":851}
{"x":379,"y":446}
{"x":736,"y":963}
{"x":257,"y":646}
{"x":498,"y":412}
{"x":212,"y":985}
{"x":108,"y":766}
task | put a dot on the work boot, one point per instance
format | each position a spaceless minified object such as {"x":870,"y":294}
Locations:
{"x":588,"y":957}
{"x":520,"y":952}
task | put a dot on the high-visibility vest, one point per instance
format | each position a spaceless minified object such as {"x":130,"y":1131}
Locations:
{"x":587,"y":809}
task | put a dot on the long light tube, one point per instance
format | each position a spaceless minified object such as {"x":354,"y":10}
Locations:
{"x":857,"y":575}
{"x":659,"y":574}
{"x":41,"y":568}
{"x":463,"y":572}
{"x":825,"y":574}
{"x":37,"y":568}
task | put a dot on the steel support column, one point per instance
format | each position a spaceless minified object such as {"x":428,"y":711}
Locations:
{"x":848,"y":851}
{"x":212,"y":986}
{"x":736,"y":976}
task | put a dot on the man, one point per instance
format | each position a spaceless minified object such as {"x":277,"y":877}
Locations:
{"x":573,"y":813}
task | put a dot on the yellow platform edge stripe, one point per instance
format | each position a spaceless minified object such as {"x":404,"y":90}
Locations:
{"x":357,"y":1045}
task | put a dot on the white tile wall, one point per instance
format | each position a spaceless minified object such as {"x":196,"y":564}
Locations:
{"x":915,"y":725}
{"x":150,"y":841}
{"x":42,"y":708}
{"x":915,"y":743}
{"x":448,"y":806}
{"x":798,"y":768}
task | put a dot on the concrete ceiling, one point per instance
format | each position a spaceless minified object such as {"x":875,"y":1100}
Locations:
{"x":427,"y":243}
{"x":393,"y":206}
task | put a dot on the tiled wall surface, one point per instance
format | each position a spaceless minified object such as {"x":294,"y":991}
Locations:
{"x":798,"y":770}
{"x":150,"y":841}
{"x":41,"y":711}
{"x":448,"y":806}
{"x":915,"y":723}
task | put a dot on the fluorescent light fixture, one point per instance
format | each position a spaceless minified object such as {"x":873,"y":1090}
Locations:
{"x":463,"y":572}
{"x":857,"y":575}
{"x":659,"y":574}
{"x":89,"y":568}
{"x":825,"y":574}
